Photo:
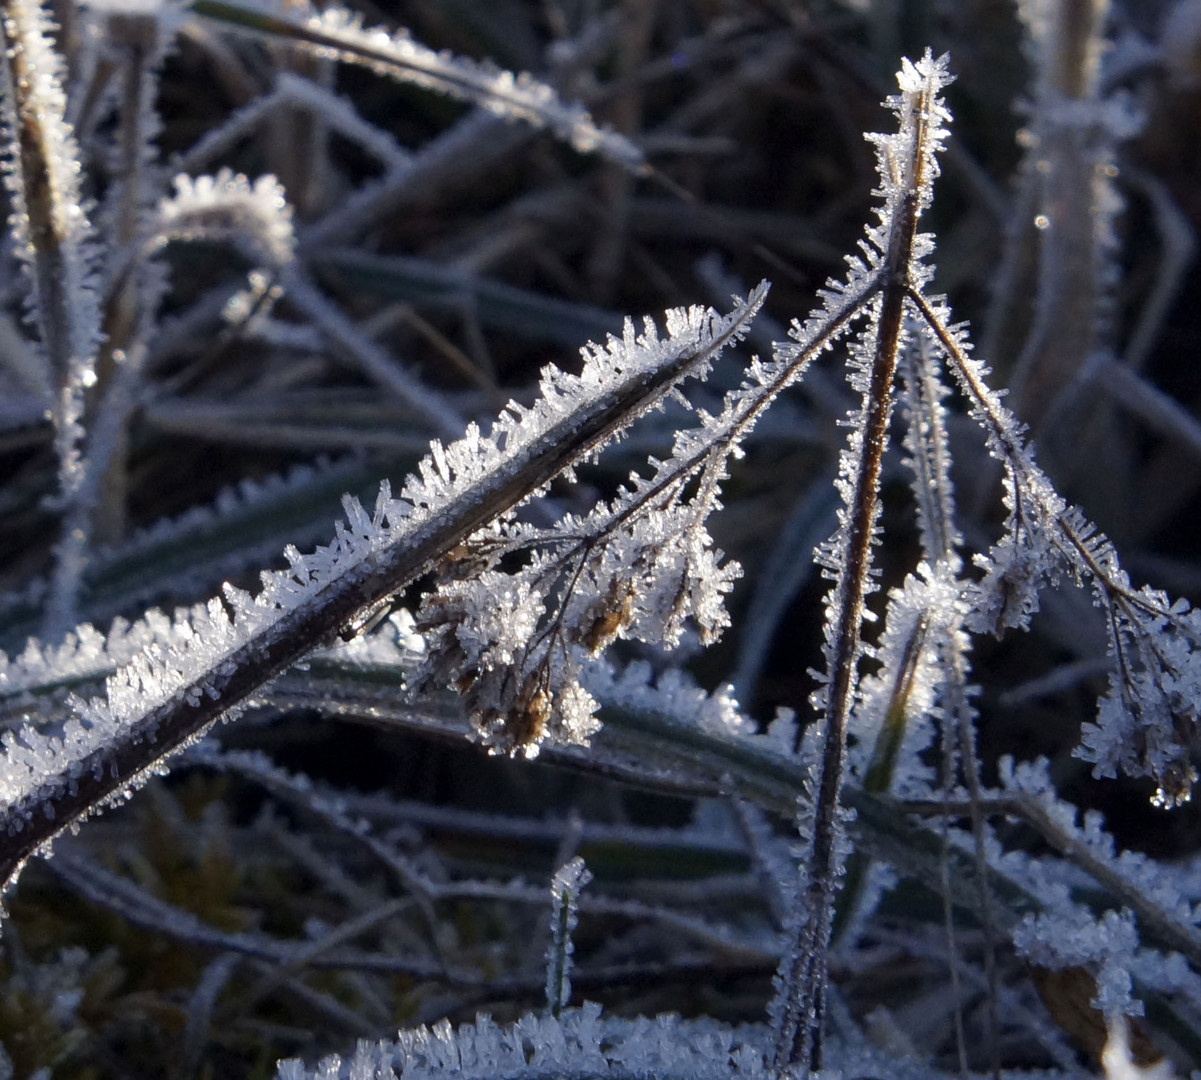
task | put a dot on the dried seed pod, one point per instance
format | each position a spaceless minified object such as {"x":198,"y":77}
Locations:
{"x":525,"y":727}
{"x":612,"y":616}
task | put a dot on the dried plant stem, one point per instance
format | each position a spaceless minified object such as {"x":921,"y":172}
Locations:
{"x":53,"y":240}
{"x":86,"y":781}
{"x":798,"y":1038}
{"x":1158,"y":925}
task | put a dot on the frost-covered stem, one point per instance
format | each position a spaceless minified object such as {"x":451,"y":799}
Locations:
{"x":929,"y":452}
{"x":930,"y":459}
{"x":1002,"y":431}
{"x":1145,"y":723}
{"x":798,"y":1040}
{"x":999,"y":424}
{"x":1134,"y":604}
{"x":99,"y":506}
{"x":63,"y":786}
{"x":1158,"y":926}
{"x":51,"y":230}
{"x":516,"y":97}
{"x":52,"y":237}
{"x":565,"y":901}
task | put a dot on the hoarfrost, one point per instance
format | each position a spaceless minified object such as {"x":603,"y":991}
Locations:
{"x":172,"y":666}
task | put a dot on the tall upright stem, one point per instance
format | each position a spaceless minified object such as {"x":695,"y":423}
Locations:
{"x":803,"y":973}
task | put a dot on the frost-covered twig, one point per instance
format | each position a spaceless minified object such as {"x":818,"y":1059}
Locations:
{"x":1145,"y":723}
{"x":895,"y":250}
{"x":212,"y":663}
{"x":636,"y":567}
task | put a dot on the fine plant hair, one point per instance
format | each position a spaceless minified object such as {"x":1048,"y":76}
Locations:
{"x":505,"y":590}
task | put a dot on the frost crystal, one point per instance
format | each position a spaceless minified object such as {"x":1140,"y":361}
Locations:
{"x":1107,"y":945}
{"x":582,"y":1042}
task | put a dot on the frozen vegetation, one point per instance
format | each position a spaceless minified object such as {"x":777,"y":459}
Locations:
{"x":896,"y":885}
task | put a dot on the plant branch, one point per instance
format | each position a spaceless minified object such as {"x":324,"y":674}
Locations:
{"x":161,"y":702}
{"x":803,"y":973}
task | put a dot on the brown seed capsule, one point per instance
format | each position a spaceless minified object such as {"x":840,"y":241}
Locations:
{"x":526,"y":724}
{"x":613,"y":617}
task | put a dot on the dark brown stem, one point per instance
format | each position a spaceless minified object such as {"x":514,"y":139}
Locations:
{"x":799,"y":1034}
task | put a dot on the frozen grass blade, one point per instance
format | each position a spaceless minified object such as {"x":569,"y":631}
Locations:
{"x":565,"y":889}
{"x":54,"y":243}
{"x":51,"y":233}
{"x":339,"y":34}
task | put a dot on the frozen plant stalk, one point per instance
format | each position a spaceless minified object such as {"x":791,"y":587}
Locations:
{"x":565,"y":889}
{"x":51,"y":233}
{"x":894,"y":251}
{"x":54,"y":243}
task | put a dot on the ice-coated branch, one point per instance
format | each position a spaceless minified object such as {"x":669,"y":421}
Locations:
{"x":220,"y":653}
{"x":1147,"y":720}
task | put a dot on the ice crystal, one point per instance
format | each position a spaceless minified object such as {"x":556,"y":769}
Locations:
{"x":580,"y":1042}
